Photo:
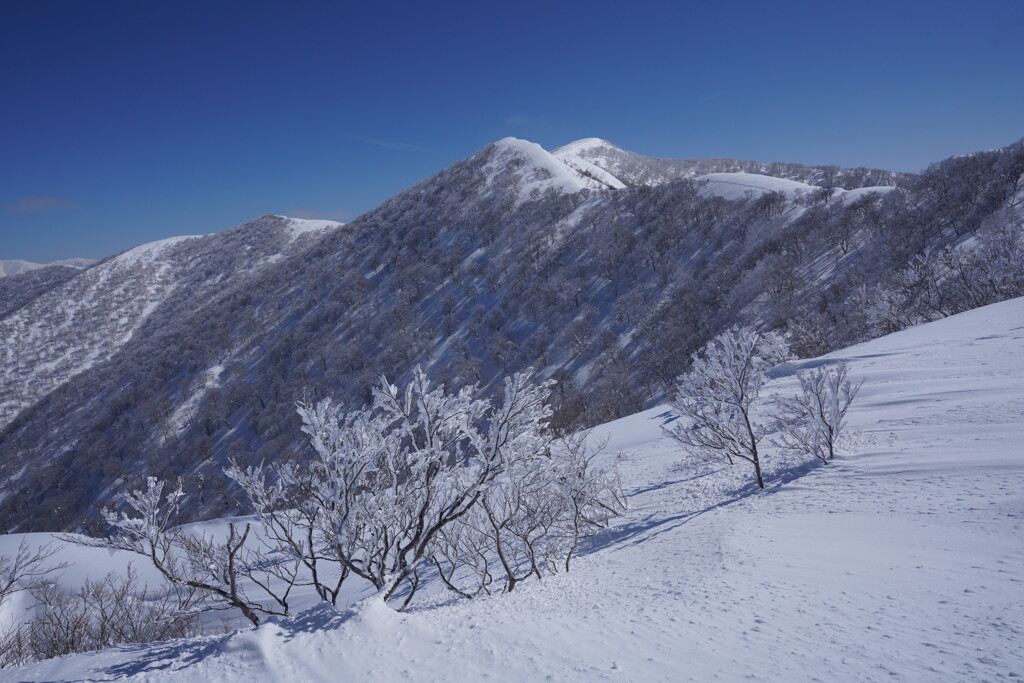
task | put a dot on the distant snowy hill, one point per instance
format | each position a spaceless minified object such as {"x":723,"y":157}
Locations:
{"x":634,"y":169}
{"x":71,"y":328}
{"x":602,"y":268}
{"x":17,"y":267}
{"x":901,"y":560}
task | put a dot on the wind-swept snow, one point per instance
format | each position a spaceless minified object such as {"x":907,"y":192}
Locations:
{"x":742,"y":185}
{"x":590,"y":171}
{"x":900,"y":561}
{"x":583,"y":146}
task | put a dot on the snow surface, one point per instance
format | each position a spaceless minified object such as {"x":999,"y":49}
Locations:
{"x":740,"y":185}
{"x":903,"y":560}
{"x":581,"y":146}
{"x":150,"y":251}
{"x":17,"y":266}
{"x":539,"y":171}
{"x":858,"y":193}
{"x":590,"y":170}
{"x":301,"y":226}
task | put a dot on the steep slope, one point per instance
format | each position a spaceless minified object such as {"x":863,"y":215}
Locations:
{"x":901,"y":560}
{"x":506,"y":260}
{"x":19,"y":290}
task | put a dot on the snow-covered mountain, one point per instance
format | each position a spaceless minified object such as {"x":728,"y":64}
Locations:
{"x":632,"y":169}
{"x":900,"y":560}
{"x":71,"y":328}
{"x":17,"y":266}
{"x":602,"y":268}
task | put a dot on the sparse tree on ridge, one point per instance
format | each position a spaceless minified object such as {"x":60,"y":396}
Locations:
{"x":814,"y":420}
{"x":715,"y":398}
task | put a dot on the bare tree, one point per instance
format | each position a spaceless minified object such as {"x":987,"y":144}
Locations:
{"x":27,"y":569}
{"x":219,"y":570}
{"x":430,"y":480}
{"x":102,"y":613}
{"x":532,"y":520}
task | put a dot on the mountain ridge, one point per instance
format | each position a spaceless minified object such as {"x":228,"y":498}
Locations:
{"x":487,"y":267}
{"x":13,"y":267}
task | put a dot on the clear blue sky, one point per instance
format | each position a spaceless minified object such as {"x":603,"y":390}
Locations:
{"x":125,"y":122}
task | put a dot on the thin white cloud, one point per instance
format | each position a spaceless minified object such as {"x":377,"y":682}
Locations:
{"x":709,"y":97}
{"x":38,"y":204}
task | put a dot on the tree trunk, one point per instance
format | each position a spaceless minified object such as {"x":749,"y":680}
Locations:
{"x":757,"y":470}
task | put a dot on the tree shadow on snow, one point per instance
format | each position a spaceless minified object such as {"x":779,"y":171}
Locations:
{"x":170,"y":656}
{"x":643,"y":530}
{"x":652,"y":525}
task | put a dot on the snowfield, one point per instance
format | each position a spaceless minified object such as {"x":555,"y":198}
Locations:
{"x":902,"y":560}
{"x":740,"y":185}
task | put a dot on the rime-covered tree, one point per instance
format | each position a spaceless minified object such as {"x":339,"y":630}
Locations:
{"x":222,"y":572}
{"x":715,"y":398}
{"x":428,"y":479}
{"x":814,"y":420}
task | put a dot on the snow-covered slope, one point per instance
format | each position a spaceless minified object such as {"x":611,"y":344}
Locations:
{"x":535,"y":171}
{"x":17,"y":266}
{"x":900,"y":561}
{"x":71,"y":328}
{"x":740,"y":185}
{"x":633,"y":169}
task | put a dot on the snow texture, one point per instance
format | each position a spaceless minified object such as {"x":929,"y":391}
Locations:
{"x":902,"y":560}
{"x":740,"y":185}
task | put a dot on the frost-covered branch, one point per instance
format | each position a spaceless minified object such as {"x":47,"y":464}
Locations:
{"x":716,"y":397}
{"x":814,"y":420}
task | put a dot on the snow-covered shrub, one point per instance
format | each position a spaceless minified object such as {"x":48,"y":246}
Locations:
{"x":426,"y":479}
{"x":813,"y":421}
{"x":531,"y":519}
{"x":715,"y":398}
{"x":207,"y":573}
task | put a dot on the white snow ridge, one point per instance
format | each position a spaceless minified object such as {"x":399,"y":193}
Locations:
{"x":901,"y":560}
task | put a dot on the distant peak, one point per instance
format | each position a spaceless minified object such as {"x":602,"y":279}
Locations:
{"x":582,"y":146}
{"x":517,"y":143}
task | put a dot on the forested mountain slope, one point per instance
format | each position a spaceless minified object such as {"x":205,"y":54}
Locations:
{"x":602,"y":268}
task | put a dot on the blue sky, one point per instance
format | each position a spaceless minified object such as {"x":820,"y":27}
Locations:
{"x":125,"y":122}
